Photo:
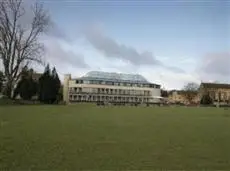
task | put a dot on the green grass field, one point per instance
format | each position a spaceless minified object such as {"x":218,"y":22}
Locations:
{"x":112,"y":138}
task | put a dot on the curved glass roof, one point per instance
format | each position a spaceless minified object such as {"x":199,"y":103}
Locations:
{"x":112,"y":76}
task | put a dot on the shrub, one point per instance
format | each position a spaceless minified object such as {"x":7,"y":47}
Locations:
{"x":206,"y":100}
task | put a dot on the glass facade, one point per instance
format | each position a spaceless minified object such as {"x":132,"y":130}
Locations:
{"x":116,"y":79}
{"x":116,"y":76}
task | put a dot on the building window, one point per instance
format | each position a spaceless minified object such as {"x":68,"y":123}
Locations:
{"x":86,"y":82}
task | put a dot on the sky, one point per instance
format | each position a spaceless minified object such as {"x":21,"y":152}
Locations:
{"x":169,"y":42}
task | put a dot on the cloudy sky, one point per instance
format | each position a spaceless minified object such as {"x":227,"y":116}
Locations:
{"x":168,"y":42}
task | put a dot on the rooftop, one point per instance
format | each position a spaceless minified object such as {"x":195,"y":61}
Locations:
{"x":215,"y":85}
{"x":112,"y":76}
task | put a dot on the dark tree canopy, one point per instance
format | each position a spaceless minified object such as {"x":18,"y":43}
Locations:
{"x":49,"y":86}
{"x":206,"y":100}
{"x":26,"y":87}
{"x":164,"y":93}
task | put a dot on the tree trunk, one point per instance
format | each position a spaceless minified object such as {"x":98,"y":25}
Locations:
{"x":9,"y":88}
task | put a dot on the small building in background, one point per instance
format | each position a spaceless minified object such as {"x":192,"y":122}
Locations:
{"x":108,"y":87}
{"x":180,"y":96}
{"x":219,"y":93}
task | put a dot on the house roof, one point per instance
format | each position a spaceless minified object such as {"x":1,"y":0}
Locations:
{"x":215,"y":85}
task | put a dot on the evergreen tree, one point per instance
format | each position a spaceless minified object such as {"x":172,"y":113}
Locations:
{"x":26,"y":87}
{"x":49,"y":86}
{"x":206,"y":100}
{"x":56,"y":85}
{"x":44,"y":85}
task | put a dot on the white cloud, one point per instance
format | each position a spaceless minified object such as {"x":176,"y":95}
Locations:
{"x":215,"y":66}
{"x":111,"y":49}
{"x":168,"y":79}
{"x":79,"y":56}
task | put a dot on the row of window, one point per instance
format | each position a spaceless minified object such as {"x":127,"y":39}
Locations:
{"x":109,"y":91}
{"x":116,"y":83}
{"x":219,"y":95}
{"x":107,"y":98}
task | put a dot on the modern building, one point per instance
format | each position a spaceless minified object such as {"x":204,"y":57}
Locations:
{"x":107,"y":87}
{"x":220,"y":93}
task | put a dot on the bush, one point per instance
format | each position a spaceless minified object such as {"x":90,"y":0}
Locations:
{"x":4,"y":100}
{"x":206,"y":100}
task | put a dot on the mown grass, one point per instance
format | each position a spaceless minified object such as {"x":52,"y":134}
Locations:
{"x":112,"y":138}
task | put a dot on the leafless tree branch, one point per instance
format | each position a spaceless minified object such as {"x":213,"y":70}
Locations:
{"x":190,"y":91}
{"x":19,"y":45}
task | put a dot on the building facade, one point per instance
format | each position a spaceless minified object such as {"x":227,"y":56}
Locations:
{"x":98,"y":86}
{"x":219,"y":93}
{"x":179,"y":96}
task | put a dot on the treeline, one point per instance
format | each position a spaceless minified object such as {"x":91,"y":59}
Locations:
{"x":46,"y":88}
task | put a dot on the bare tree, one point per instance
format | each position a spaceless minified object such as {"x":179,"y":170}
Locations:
{"x":19,"y":45}
{"x":1,"y":80}
{"x":190,"y":91}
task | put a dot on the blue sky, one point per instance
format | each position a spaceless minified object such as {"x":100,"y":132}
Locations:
{"x":183,"y":39}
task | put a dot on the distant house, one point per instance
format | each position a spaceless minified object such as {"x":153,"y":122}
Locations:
{"x":178,"y":96}
{"x":219,"y":92}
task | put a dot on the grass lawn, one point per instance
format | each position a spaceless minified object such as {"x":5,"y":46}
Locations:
{"x":111,"y":138}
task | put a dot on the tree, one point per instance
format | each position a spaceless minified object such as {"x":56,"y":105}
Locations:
{"x":49,"y":86}
{"x":19,"y":45}
{"x":206,"y":99}
{"x":56,"y":84}
{"x":164,"y":93}
{"x":44,"y":85}
{"x":1,"y":80}
{"x":190,"y":91}
{"x":26,"y":87}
